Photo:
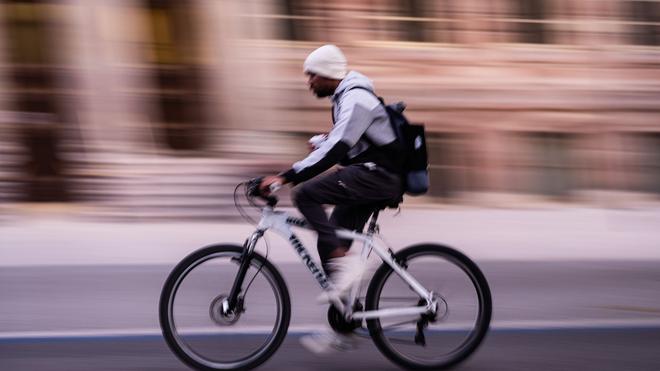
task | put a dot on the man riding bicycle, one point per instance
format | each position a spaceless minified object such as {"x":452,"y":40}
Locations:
{"x":363,"y":143}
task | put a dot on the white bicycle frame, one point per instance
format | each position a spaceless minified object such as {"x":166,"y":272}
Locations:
{"x":281,"y":222}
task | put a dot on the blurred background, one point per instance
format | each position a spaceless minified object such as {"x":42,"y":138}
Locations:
{"x":157,"y":108}
{"x":126,"y":124}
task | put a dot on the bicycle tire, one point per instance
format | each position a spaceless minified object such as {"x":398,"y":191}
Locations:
{"x":477,"y":279}
{"x":168,"y":295}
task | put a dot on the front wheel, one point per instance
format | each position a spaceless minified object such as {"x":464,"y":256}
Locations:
{"x":202,"y":329}
{"x":449,"y":334}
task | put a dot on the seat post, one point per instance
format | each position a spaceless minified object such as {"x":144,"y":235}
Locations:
{"x":372,"y":224}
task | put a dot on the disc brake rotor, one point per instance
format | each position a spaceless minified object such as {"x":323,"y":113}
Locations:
{"x":220,"y":313}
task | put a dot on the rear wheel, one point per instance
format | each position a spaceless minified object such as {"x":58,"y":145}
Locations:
{"x":449,"y":334}
{"x":203,"y":330}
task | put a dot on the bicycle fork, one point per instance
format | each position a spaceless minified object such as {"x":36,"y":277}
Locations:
{"x":234,"y":299}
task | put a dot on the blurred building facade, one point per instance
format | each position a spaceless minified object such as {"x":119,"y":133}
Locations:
{"x":541,"y":99}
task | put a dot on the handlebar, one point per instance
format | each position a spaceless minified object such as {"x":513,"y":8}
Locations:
{"x":253,"y":190}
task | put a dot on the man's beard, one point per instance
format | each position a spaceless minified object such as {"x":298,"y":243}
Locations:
{"x":323,"y":93}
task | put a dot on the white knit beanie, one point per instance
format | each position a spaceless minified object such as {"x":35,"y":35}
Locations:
{"x":327,"y":61}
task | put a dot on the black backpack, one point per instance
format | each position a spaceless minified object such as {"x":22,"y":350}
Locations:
{"x":413,"y":142}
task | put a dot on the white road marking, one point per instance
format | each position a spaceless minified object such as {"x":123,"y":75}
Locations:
{"x":586,"y":324}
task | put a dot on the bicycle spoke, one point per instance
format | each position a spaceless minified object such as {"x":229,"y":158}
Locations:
{"x":394,"y":325}
{"x":198,"y":327}
{"x":463,"y":309}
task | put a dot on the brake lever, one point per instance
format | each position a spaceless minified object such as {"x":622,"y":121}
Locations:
{"x":253,"y":186}
{"x":254,"y":191}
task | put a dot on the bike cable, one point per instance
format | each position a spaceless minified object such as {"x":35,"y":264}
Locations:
{"x":261,"y":266}
{"x":240,"y":208}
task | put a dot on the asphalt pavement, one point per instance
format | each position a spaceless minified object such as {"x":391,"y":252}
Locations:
{"x":124,"y":299}
{"x":572,"y":289}
{"x":548,"y":350}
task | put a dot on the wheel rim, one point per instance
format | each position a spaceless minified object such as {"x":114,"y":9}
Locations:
{"x":199,"y":337}
{"x":455,"y":328}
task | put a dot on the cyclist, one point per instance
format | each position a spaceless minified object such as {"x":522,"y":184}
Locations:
{"x":363,"y":142}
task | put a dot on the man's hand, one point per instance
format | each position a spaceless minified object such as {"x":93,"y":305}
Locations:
{"x":264,"y":187}
{"x":315,"y":142}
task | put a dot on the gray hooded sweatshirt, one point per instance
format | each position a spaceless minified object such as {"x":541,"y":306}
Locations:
{"x":361,"y":133}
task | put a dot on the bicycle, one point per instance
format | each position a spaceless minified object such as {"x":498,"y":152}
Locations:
{"x":400,"y":288}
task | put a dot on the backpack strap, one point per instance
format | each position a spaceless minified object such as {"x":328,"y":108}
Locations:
{"x":332,"y":111}
{"x":398,"y":108}
{"x":380,"y":99}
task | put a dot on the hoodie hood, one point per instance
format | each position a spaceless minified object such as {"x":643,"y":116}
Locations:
{"x":353,"y":79}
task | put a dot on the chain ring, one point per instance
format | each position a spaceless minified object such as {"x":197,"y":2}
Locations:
{"x":338,"y":322}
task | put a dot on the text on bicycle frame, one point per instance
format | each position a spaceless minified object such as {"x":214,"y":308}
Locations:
{"x":309,"y":262}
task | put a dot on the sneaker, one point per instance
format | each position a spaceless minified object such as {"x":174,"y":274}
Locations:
{"x":348,"y":270}
{"x":328,"y":342}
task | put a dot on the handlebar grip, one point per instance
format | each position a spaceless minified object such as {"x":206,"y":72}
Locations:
{"x":275,"y":187}
{"x":254,"y":191}
{"x":253,"y":186}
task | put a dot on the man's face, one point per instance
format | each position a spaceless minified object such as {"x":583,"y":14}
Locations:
{"x":321,"y":86}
